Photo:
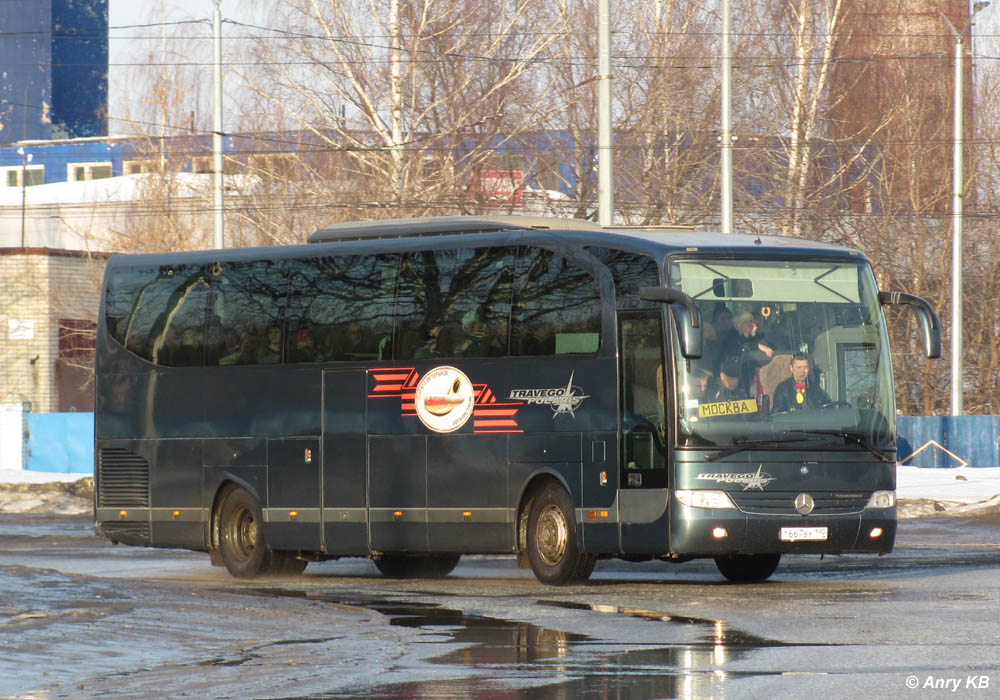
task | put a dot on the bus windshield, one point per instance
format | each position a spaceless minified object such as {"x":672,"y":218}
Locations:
{"x":795,"y":353}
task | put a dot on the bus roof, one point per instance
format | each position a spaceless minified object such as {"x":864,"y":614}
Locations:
{"x":442,"y":225}
{"x":657,"y":242}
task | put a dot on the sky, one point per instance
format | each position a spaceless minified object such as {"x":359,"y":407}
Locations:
{"x":131,"y":44}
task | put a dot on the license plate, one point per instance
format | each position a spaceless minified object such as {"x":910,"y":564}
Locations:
{"x":803,"y":534}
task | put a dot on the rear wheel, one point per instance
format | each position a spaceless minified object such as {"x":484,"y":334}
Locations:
{"x":746,"y":568}
{"x":417,"y":565}
{"x":553,"y":546}
{"x":244,"y":549}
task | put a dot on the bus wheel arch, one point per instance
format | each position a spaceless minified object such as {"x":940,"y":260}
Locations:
{"x":242,"y":542}
{"x":547,"y":519}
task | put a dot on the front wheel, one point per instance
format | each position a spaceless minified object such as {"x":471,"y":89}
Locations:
{"x":553,"y":546}
{"x":746,"y":568}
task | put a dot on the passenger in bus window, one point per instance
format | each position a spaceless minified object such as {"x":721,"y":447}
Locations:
{"x":270,"y":352}
{"x":752,"y":351}
{"x":187,"y":351}
{"x":350,"y":344}
{"x":477,"y":341}
{"x":728,"y":386}
{"x":799,"y":391}
{"x":303,"y":348}
{"x":235,"y":345}
{"x":540,"y":341}
{"x":698,"y":382}
{"x":719,"y":335}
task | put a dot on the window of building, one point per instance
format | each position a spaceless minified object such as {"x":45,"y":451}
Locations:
{"x":32,"y":174}
{"x":134,"y":167}
{"x":203,"y":165}
{"x":76,"y":172}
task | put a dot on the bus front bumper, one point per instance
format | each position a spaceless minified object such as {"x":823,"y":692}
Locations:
{"x":701,"y":532}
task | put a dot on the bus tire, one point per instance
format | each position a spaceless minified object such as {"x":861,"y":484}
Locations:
{"x":553,"y":546}
{"x":747,"y":568}
{"x":417,"y":565}
{"x":241,"y":539}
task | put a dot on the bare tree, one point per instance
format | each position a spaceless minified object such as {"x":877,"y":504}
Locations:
{"x":401,"y":104}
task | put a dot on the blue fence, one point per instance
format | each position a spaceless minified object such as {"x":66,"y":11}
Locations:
{"x":949,"y":441}
{"x":64,"y":442}
{"x":61,"y":443}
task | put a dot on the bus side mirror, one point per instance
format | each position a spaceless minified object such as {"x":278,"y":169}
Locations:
{"x":930,"y":324}
{"x":686,"y":315}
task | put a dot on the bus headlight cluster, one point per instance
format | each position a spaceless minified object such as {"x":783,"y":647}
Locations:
{"x":704,"y":499}
{"x":882,"y":499}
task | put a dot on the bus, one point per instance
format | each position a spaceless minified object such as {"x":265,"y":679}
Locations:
{"x":413,"y":390}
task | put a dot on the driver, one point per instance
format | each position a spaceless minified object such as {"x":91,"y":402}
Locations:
{"x":799,"y":391}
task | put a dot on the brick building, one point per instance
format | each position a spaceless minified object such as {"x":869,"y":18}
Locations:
{"x":47,"y":316}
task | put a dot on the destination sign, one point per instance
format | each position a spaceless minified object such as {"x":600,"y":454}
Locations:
{"x":727,"y":408}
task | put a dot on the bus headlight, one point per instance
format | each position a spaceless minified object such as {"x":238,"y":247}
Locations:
{"x":699,"y":498}
{"x":882,"y":499}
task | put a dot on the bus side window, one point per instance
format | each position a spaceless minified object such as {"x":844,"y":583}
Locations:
{"x":345,"y":304}
{"x":454,"y":303}
{"x":556,"y":306}
{"x":167,"y":321}
{"x":247,"y":316}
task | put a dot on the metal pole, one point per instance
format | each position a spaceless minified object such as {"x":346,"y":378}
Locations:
{"x":726,"y":183}
{"x":24,"y":189}
{"x":218,"y":219}
{"x":605,"y":146}
{"x":956,"y":239}
{"x":957,"y":195}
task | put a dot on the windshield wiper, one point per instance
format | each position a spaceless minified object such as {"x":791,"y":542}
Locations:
{"x":752,"y":444}
{"x":856,"y":438}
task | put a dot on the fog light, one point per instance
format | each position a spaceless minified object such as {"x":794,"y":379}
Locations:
{"x":720,"y":533}
{"x":875,"y":533}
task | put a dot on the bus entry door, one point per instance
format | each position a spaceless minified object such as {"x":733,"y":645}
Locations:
{"x":345,"y":516}
{"x":643,"y":494}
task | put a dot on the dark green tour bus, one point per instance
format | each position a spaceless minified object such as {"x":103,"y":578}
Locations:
{"x":414,"y":390}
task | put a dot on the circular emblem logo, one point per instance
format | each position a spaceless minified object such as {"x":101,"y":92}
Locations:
{"x":444,"y":399}
{"x":804,"y":503}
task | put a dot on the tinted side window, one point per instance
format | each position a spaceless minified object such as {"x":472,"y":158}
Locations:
{"x":630,"y":272}
{"x":159,"y":313}
{"x":557,"y":306}
{"x":454,"y":303}
{"x":341,"y":308}
{"x":246,"y":319}
{"x":123,"y":287}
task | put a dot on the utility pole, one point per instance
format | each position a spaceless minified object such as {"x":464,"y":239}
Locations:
{"x":605,"y":145}
{"x":957,"y":194}
{"x":726,"y":155}
{"x":218,"y":219}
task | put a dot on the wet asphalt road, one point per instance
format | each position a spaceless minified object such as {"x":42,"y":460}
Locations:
{"x":80,"y":618}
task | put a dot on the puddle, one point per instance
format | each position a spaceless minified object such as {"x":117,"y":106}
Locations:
{"x":508,"y":660}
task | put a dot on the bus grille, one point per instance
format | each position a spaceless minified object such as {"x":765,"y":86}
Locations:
{"x":123,"y":478}
{"x":764,"y":503}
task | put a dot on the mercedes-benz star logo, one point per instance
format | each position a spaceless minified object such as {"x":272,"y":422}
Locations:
{"x":804,"y":503}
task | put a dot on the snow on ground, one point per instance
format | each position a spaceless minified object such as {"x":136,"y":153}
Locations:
{"x":962,"y":491}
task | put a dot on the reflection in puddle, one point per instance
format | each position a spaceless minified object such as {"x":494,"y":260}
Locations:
{"x":507,"y":660}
